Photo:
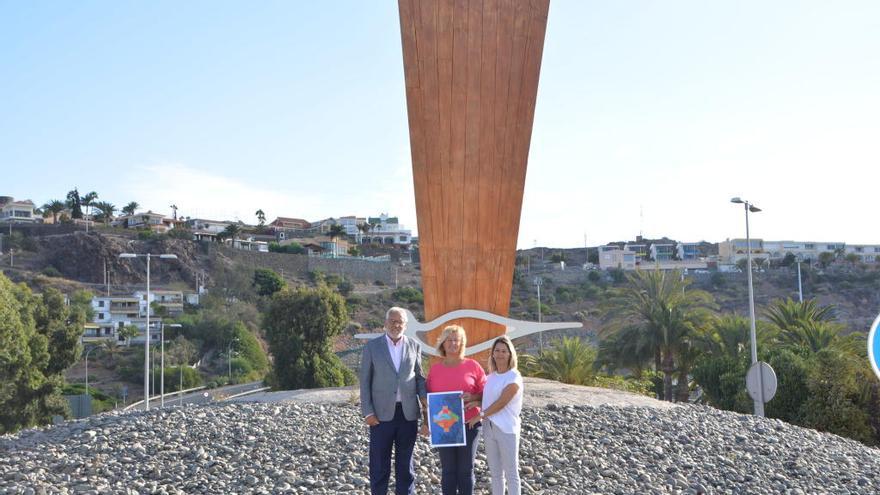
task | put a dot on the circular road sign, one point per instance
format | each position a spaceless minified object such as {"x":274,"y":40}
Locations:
{"x":874,"y":347}
{"x":761,"y":377}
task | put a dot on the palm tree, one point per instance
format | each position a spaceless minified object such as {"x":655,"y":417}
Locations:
{"x":261,"y":217}
{"x":364,"y":228}
{"x":112,"y":350}
{"x":569,"y":360}
{"x":336,"y":230}
{"x":811,"y":328}
{"x":730,"y":335}
{"x":106,"y":211}
{"x":130,"y":208}
{"x":232,"y":231}
{"x":53,"y":207}
{"x":625,"y":349}
{"x":788,"y":313}
{"x":668,"y":315}
{"x":88,"y":201}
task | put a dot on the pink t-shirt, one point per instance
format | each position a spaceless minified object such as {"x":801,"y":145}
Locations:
{"x":468,"y":377}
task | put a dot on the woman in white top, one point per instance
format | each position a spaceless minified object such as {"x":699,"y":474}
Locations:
{"x":502,"y":404}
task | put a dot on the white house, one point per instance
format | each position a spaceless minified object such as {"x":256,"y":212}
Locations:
{"x":17,"y":211}
{"x":387,"y":230}
{"x":154,"y":221}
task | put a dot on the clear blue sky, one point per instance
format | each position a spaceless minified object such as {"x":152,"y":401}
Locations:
{"x":650,"y":114}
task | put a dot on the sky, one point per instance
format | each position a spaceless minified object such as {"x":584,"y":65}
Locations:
{"x":650,"y":115}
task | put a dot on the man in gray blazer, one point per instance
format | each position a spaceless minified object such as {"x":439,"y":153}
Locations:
{"x":392,"y":395}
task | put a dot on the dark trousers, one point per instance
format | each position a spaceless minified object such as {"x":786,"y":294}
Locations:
{"x":399,"y":434}
{"x":457,"y":464}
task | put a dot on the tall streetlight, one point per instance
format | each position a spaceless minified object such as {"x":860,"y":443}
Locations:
{"x":87,"y":367}
{"x":229,"y":357}
{"x":538,"y":281}
{"x":759,"y":404}
{"x":148,"y":256}
{"x":162,"y":365}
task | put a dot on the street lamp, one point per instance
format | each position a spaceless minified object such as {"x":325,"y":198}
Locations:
{"x":162,"y":365}
{"x":538,"y":282}
{"x":759,"y":403}
{"x":147,"y":340}
{"x":87,"y":367}
{"x":229,"y":357}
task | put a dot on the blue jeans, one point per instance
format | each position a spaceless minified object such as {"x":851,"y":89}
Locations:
{"x":457,"y":464}
{"x":399,"y":434}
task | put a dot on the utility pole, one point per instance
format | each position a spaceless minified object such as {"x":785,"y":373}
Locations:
{"x":538,"y":282}
{"x":800,"y":287}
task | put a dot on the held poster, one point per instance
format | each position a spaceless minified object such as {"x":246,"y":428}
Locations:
{"x":446,"y":419}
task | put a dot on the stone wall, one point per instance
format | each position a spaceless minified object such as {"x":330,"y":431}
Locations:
{"x":300,"y":265}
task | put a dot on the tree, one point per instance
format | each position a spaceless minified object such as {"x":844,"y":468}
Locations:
{"x":261,"y":217}
{"x":267,"y":282}
{"x":106,"y":211}
{"x":852,"y":259}
{"x":53,"y":207}
{"x":74,"y":203}
{"x":336,"y":230}
{"x":300,"y":326}
{"x":89,"y":200}
{"x":38,"y":340}
{"x":130,"y":208}
{"x":668,"y":315}
{"x":569,"y":360}
{"x":826,"y":258}
{"x":129,"y":332}
{"x":112,"y":351}
{"x":232,"y":231}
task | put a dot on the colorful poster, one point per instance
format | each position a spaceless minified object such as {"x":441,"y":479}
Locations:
{"x":446,"y":419}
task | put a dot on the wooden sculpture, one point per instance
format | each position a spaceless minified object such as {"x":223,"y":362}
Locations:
{"x":471,"y":70}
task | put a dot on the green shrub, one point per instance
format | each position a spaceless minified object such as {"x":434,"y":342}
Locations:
{"x":345,"y":287}
{"x":51,"y":271}
{"x":408,"y":295}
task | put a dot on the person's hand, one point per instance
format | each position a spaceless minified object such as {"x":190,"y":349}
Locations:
{"x":468,"y":397}
{"x":469,"y":405}
{"x":423,"y":431}
{"x":372,"y":420}
{"x":473,"y":421}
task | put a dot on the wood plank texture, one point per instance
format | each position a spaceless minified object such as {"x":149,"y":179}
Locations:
{"x":472,"y":70}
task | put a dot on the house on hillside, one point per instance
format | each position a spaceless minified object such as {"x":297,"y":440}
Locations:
{"x":156,"y":222}
{"x":206,"y":230}
{"x":285,"y":228}
{"x":387,"y":230}
{"x":17,"y":211}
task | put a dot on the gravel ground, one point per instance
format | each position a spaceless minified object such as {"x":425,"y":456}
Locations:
{"x":321,"y":448}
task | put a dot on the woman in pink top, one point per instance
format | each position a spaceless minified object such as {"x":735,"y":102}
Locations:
{"x":455,"y":372}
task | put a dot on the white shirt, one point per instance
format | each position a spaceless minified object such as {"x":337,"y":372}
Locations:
{"x":396,"y":351}
{"x":507,"y":419}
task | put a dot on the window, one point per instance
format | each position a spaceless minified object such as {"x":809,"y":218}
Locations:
{"x":100,"y":304}
{"x":809,"y":246}
{"x":100,"y":316}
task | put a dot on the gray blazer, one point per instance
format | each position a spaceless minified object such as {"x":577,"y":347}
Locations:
{"x":379,"y":381}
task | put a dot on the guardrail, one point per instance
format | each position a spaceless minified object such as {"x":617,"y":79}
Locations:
{"x":172,"y":394}
{"x":246,"y":393}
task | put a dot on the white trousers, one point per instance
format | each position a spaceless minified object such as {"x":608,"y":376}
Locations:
{"x":502,"y":455}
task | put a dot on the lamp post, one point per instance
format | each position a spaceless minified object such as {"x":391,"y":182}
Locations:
{"x":538,"y":282}
{"x":229,"y":357}
{"x":162,"y":361}
{"x":87,"y":367}
{"x":147,"y":340}
{"x":759,"y":403}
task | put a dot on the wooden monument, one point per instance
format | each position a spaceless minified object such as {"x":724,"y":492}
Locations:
{"x":471,"y":69}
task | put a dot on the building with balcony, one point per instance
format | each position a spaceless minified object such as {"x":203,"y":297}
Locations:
{"x":17,"y":211}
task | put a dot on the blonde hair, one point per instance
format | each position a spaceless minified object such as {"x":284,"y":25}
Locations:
{"x":506,"y":341}
{"x":451,"y":329}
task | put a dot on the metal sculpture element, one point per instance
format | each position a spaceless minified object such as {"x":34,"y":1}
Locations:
{"x":471,"y":70}
{"x":513,"y":328}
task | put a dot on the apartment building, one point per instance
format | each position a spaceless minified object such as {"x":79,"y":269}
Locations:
{"x":17,"y":211}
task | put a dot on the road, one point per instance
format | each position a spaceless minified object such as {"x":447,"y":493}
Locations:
{"x":204,"y":396}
